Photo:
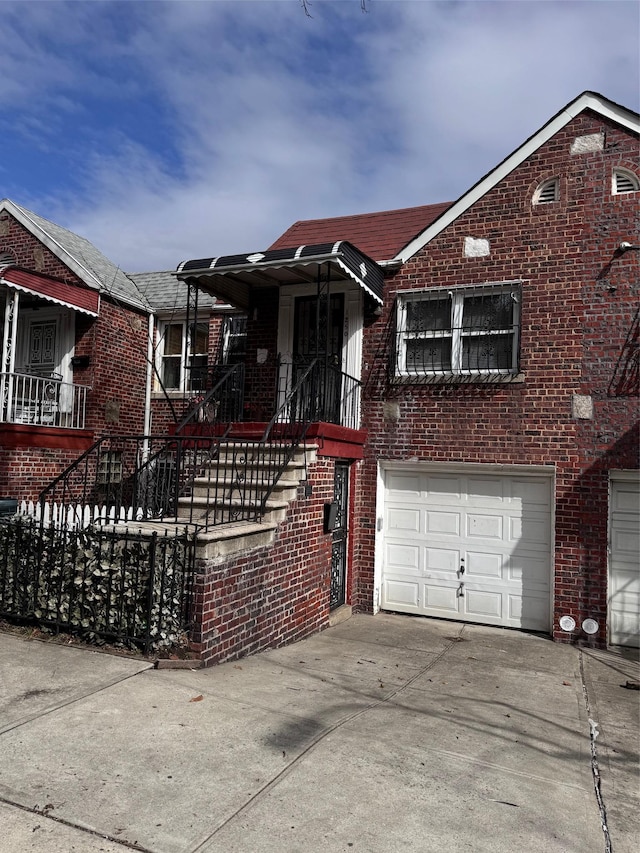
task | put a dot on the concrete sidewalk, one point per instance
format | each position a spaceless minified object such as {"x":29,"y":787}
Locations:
{"x":385,"y":733}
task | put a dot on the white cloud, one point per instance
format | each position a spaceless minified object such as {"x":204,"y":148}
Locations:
{"x":265,"y":116}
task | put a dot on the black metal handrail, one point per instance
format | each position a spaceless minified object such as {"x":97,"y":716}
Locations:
{"x":201,"y":477}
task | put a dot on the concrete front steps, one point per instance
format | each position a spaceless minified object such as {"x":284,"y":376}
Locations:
{"x":237,"y":480}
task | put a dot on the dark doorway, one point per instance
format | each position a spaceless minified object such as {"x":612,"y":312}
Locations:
{"x":339,"y":536}
{"x":318,"y":334}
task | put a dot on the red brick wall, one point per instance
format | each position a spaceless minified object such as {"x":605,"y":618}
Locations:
{"x":579,"y":298}
{"x":116,"y":345}
{"x":274,"y":595}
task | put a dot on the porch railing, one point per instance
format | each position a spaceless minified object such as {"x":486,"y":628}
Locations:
{"x":326,"y":393}
{"x":42,"y":401}
{"x":203,"y":475}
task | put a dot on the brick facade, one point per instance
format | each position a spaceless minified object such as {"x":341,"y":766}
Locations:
{"x":115,"y":343}
{"x":270,"y":596}
{"x":579,"y":299}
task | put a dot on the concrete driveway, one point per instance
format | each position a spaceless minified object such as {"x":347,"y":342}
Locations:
{"x":385,"y":733}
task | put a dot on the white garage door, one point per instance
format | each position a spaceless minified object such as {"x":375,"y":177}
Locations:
{"x":469,"y":546}
{"x":624,"y":559}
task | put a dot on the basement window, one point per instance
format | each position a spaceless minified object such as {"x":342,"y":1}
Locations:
{"x":465,"y":332}
{"x":547,"y":192}
{"x":109,"y":468}
{"x":624,"y":182}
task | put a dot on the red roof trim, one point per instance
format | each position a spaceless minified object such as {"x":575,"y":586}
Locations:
{"x":77,"y":298}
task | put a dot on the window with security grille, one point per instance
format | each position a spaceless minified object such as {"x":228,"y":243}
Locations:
{"x":459,"y":332}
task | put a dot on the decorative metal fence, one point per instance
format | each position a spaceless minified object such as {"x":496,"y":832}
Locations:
{"x":114,"y":583}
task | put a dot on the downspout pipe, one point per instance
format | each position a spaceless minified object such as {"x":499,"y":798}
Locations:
{"x":147,"y":392}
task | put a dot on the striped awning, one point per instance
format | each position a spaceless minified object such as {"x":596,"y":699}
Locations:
{"x":232,"y":278}
{"x":52,"y":290}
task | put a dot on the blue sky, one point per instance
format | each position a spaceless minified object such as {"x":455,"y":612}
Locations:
{"x":170,"y":130}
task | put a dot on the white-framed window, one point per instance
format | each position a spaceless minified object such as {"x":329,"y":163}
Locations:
{"x":459,"y":332}
{"x":624,"y":181}
{"x":183,"y":355}
{"x":547,"y":192}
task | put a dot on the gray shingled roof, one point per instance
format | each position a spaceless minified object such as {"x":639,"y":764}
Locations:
{"x":83,"y":257}
{"x":164,"y":292}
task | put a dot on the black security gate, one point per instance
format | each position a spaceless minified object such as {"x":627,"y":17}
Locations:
{"x":339,"y":537}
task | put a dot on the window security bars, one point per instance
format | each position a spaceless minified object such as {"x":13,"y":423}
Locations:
{"x":116,"y":584}
{"x":459,"y":333}
{"x":42,"y":401}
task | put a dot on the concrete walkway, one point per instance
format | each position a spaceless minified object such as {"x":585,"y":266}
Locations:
{"x":386,"y":733}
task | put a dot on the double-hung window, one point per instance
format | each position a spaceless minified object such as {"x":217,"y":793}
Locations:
{"x":184,"y":350}
{"x":461,"y":332}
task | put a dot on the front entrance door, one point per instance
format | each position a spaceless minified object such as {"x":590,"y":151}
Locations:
{"x":339,"y":536}
{"x":318,"y":333}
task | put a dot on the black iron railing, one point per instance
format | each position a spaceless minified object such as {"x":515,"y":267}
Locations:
{"x":326,"y":393}
{"x":202,"y":476}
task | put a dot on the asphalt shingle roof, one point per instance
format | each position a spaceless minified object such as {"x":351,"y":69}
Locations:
{"x":164,"y":292}
{"x":379,"y":235}
{"x":102,"y":272}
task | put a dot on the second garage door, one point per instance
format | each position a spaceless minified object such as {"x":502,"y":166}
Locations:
{"x":470,"y":546}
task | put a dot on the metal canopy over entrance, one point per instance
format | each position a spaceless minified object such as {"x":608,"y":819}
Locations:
{"x":232,"y":278}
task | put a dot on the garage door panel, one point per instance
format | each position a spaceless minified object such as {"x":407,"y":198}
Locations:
{"x":625,"y":498}
{"x":486,"y":490}
{"x":403,"y":484}
{"x":442,"y":560}
{"x":624,"y":562}
{"x":480,"y":564}
{"x":533,"y":531}
{"x":443,"y":488}
{"x":444,"y":523}
{"x":482,"y":605}
{"x":483,"y":526}
{"x":442,"y":599}
{"x":403,"y":558}
{"x":498,"y":526}
{"x":533,"y":615}
{"x":530,"y":493}
{"x":401,"y":594}
{"x":404,"y":519}
{"x":529,"y":571}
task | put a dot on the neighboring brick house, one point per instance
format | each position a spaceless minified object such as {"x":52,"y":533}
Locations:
{"x":489,"y":350}
{"x":77,"y":359}
{"x":73,"y":350}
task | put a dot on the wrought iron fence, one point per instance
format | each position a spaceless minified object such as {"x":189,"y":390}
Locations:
{"x":115,"y":584}
{"x":42,"y":401}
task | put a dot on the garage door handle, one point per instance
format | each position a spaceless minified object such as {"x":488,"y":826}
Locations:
{"x":461,"y":570}
{"x":461,"y":590}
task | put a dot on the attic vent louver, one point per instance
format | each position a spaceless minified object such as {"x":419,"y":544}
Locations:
{"x":624,"y":182}
{"x":547,"y":192}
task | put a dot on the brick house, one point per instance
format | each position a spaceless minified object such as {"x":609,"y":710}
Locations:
{"x":73,"y":350}
{"x":472,"y":402}
{"x":87,"y":350}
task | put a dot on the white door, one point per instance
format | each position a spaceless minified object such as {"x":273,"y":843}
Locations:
{"x":624,"y":559}
{"x":470,"y":546}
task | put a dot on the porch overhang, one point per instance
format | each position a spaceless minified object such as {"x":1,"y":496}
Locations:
{"x":233,"y":278}
{"x":80,"y":299}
